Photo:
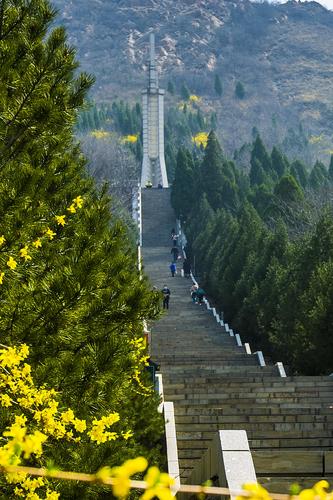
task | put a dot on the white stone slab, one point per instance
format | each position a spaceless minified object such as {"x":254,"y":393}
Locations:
{"x":247,"y":348}
{"x":261,"y":359}
{"x":234,"y":440}
{"x":280,"y":367}
{"x":238,"y":340}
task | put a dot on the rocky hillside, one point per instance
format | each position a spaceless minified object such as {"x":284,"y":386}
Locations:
{"x":282,"y":54}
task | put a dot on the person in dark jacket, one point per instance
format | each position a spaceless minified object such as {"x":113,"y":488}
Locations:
{"x":200,"y":295}
{"x":166,"y":297}
{"x":175,"y":253}
{"x":186,"y":268}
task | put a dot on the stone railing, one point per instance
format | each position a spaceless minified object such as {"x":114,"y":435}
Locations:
{"x":167,"y":408}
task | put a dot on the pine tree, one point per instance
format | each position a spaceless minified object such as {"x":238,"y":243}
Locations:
{"x":330,"y":169}
{"x":279,"y":162}
{"x":211,"y":172}
{"x":260,"y":154}
{"x":184,"y":92}
{"x":298,"y":170}
{"x":239,"y":90}
{"x":288,"y":190}
{"x":183,"y":192}
{"x":218,"y":85}
{"x":171,"y":87}
{"x":318,"y":175}
{"x":80,"y":303}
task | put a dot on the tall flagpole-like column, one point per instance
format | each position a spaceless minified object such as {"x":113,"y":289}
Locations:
{"x":153,"y":163}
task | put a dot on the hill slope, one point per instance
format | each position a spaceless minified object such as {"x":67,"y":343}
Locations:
{"x":281,"y":54}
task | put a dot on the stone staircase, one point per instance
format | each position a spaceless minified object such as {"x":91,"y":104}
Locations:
{"x":215,"y":385}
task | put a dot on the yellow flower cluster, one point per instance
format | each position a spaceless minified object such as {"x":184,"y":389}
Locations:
{"x":200,"y":139}
{"x":130,"y":139}
{"x":100,"y":134}
{"x":99,"y":433}
{"x":139,"y":359}
{"x":48,"y":233}
{"x":194,"y":98}
{"x":157,"y":483}
{"x":318,"y":492}
{"x":23,"y":438}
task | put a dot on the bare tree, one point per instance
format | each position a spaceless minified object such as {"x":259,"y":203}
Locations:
{"x":112,"y":162}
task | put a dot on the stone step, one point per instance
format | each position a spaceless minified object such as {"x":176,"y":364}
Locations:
{"x":288,"y":390}
{"x":259,"y":431}
{"x":259,"y":410}
{"x":215,"y":399}
{"x":277,"y":484}
{"x":196,"y":420}
{"x":215,"y":385}
{"x":280,"y":429}
{"x":286,"y":462}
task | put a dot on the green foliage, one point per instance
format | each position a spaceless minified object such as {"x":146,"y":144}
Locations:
{"x":271,"y":277}
{"x":184,"y":92}
{"x":288,"y":190}
{"x":183,"y":190}
{"x":318,"y":175}
{"x":298,"y":170}
{"x":239,"y":90}
{"x":279,"y":162}
{"x":171,"y":87}
{"x":218,"y":176}
{"x":330,"y":169}
{"x":80,"y":302}
{"x":218,"y":85}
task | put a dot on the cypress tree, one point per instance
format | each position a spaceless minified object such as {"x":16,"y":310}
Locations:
{"x":183,"y":194}
{"x":288,"y":189}
{"x":239,"y":90}
{"x":259,"y":153}
{"x":279,"y":162}
{"x":171,"y":87}
{"x":330,"y":169}
{"x":218,"y":85}
{"x":79,"y":304}
{"x":184,"y":92}
{"x":298,"y":170}
{"x":318,"y":175}
{"x":211,"y":172}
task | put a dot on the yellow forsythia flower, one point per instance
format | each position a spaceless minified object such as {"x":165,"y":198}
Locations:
{"x":200,"y":139}
{"x":78,"y":201}
{"x":11,"y":263}
{"x":37,"y":243}
{"x":2,"y":275}
{"x":52,"y":495}
{"x":158,"y":485}
{"x":126,"y":435}
{"x":194,"y":98}
{"x":50,"y":234}
{"x":131,"y":139}
{"x":2,"y":240}
{"x":103,"y":474}
{"x":60,"y":219}
{"x":24,"y":253}
{"x":5,"y":400}
{"x":256,"y":492}
{"x":71,"y":209}
{"x":122,"y":475}
{"x":100,"y":134}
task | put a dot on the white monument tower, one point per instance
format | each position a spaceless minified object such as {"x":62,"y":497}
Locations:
{"x":153,"y":163}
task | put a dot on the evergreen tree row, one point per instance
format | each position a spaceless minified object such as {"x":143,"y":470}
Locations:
{"x":262,"y":244}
